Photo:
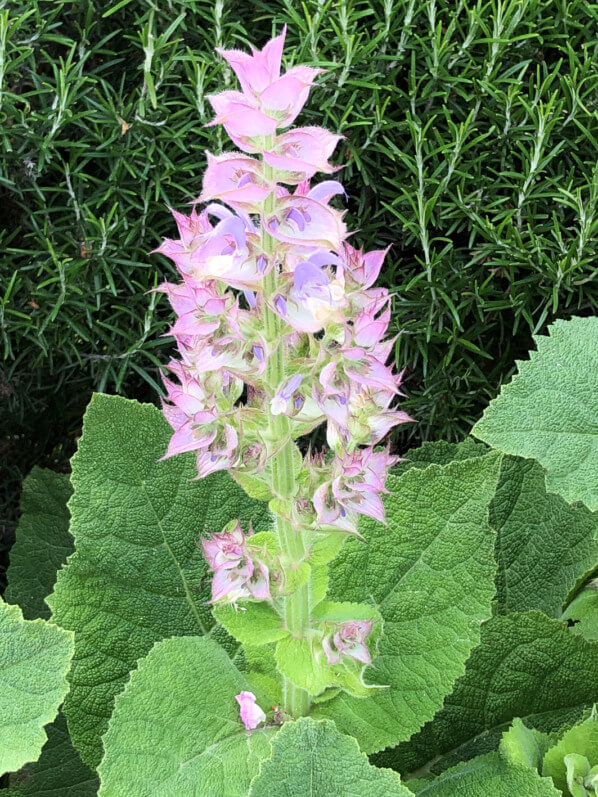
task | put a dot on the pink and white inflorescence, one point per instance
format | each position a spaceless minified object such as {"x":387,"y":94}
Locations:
{"x":335,"y":321}
{"x":269,"y":243}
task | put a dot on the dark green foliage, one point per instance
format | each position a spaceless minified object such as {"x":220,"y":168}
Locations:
{"x":43,"y":542}
{"x":470,"y":147}
{"x":58,"y":772}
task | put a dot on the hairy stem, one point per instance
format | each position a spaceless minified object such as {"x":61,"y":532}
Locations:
{"x":296,"y":606}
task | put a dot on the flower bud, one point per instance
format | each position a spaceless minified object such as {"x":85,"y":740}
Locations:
{"x":348,"y":641}
{"x":251,"y":714}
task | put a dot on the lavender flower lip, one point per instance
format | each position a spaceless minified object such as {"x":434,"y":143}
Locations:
{"x":313,"y":321}
{"x":250,"y":298}
{"x":298,"y":218}
{"x":281,"y":305}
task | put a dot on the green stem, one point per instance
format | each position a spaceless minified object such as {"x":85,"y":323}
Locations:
{"x":296,"y":606}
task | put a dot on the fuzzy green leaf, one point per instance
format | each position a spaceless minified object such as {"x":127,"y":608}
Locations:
{"x":527,"y":665}
{"x":440,"y":452}
{"x":255,"y":488}
{"x":251,"y":623}
{"x":582,"y":613}
{"x":549,"y":411}
{"x":296,"y":661}
{"x":523,"y":745}
{"x":138,"y":575}
{"x":325,"y":548}
{"x":34,"y":659}
{"x":176,"y":727}
{"x":488,"y":776}
{"x":310,"y":757}
{"x":345,"y":612}
{"x":544,"y":545}
{"x":582,"y":740}
{"x":431,"y":574}
{"x":304,"y":662}
{"x":42,"y":542}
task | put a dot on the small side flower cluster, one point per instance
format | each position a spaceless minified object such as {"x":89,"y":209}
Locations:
{"x":348,"y":640}
{"x":279,"y":328}
{"x":238,"y":572}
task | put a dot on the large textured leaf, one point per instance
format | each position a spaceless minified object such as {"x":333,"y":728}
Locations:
{"x":489,"y":775}
{"x":544,"y":545}
{"x":549,"y":411}
{"x":527,"y":665}
{"x":582,"y":613}
{"x":137,"y":573}
{"x":176,"y":728}
{"x":430,"y":572}
{"x":42,"y":541}
{"x":313,"y":758}
{"x":34,"y":660}
{"x":440,"y":452}
{"x":59,"y":772}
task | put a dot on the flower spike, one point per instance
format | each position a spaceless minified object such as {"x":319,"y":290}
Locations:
{"x":279,"y":328}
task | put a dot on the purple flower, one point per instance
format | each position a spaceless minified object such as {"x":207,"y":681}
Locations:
{"x":330,"y":515}
{"x":369,"y":328}
{"x":267,"y":100}
{"x":314,"y":300}
{"x":285,"y":250}
{"x":279,"y":404}
{"x":281,"y":305}
{"x":225,"y":549}
{"x":355,"y":397}
{"x":226,"y":252}
{"x":363,"y":269}
{"x":304,"y":221}
{"x":243,"y":119}
{"x":260,"y":69}
{"x":187,"y":399}
{"x":222,"y":454}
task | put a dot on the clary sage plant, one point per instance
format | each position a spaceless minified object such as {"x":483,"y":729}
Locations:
{"x":219,"y":639}
{"x":279,"y":329}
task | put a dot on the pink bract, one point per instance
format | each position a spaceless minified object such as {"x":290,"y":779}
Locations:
{"x":251,"y":714}
{"x":300,"y":153}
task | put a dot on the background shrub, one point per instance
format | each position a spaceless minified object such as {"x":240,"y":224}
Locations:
{"x":470,"y":147}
